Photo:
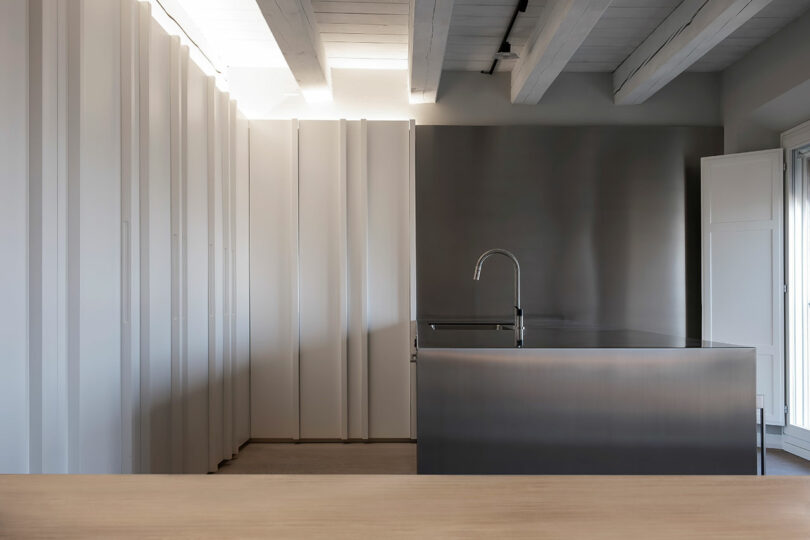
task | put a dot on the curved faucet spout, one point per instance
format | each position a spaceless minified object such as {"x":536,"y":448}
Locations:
{"x":518,"y":310}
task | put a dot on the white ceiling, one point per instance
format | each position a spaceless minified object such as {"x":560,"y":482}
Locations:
{"x":763,"y":25}
{"x":623,"y":27}
{"x":477,"y":27}
{"x":373,"y":34}
{"x":362,"y":34}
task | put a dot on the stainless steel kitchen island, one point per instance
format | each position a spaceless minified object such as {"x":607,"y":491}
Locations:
{"x":582,"y":401}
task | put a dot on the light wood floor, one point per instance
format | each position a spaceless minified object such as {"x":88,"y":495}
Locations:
{"x":781,"y":463}
{"x":403,"y":506}
{"x":323,"y":458}
{"x":390,"y":458}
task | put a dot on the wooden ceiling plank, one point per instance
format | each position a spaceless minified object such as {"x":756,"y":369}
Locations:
{"x":428,"y":29}
{"x":559,"y":33}
{"x":293,"y":25}
{"x":370,"y":8}
{"x":689,"y":32}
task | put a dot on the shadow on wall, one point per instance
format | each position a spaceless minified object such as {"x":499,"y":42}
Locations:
{"x":178,"y":435}
{"x":768,"y":91}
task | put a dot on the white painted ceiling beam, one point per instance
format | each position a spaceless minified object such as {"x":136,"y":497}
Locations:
{"x":429,"y":26}
{"x":690,"y":31}
{"x":561,"y":29}
{"x":295,"y":30}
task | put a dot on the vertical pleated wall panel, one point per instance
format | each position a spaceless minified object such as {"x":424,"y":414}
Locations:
{"x":388,"y":287}
{"x":46,"y":252}
{"x":240,"y":307}
{"x":225,"y":278}
{"x":357,"y":249}
{"x":14,"y":423}
{"x":274,"y":279}
{"x":107,"y":185}
{"x":94,"y":237}
{"x":130,"y":238}
{"x":348,"y":265}
{"x":215,"y":274}
{"x":178,"y":148}
{"x":156,"y":246}
{"x":195,"y":356}
{"x":322,"y":270}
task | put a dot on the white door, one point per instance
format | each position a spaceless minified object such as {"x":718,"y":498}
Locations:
{"x":743,"y":279}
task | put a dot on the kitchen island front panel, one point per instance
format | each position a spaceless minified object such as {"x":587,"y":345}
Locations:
{"x":586,"y":410}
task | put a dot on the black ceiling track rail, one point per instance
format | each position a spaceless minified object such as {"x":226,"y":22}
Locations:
{"x":505,"y":47}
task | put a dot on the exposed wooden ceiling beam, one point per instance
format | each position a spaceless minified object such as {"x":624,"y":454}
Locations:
{"x":428,"y":29}
{"x":690,"y":31}
{"x":563,"y":26}
{"x":294,"y":28}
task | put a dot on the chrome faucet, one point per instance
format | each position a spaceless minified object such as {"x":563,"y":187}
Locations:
{"x":518,"y":310}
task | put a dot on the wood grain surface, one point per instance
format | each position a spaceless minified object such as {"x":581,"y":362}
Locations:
{"x":384,"y":506}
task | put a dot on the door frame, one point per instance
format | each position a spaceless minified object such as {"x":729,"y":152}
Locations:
{"x":794,"y":439}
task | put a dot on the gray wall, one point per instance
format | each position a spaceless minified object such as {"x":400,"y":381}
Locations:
{"x":573,"y":99}
{"x":768,"y":91}
{"x":597,"y":216}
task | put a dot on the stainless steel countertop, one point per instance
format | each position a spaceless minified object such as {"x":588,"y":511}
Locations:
{"x":548,"y":334}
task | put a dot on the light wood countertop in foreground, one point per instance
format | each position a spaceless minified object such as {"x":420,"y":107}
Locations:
{"x":404,"y":506}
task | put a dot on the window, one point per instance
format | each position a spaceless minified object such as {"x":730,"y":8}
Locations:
{"x":798,"y":301}
{"x":796,"y":437}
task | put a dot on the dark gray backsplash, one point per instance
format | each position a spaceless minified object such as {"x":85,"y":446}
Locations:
{"x":604,"y":220}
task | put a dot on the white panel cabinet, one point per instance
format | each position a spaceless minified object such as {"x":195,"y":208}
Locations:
{"x":195,"y":254}
{"x":215,"y":278}
{"x":274,"y":279}
{"x":220,"y":276}
{"x":177,"y":75}
{"x":322,"y":288}
{"x":241,"y":298}
{"x":743,"y":301}
{"x":13,"y":241}
{"x":46,"y":226}
{"x":357,"y":247}
{"x":352,"y":254}
{"x":94,"y":237}
{"x":155,"y":224}
{"x":105,"y":174}
{"x":388,"y":280}
{"x":224,"y":133}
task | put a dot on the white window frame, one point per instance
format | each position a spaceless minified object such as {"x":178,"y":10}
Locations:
{"x":795,"y":439}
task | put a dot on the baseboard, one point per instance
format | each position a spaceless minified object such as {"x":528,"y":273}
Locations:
{"x":801,"y":451}
{"x":316,"y":441}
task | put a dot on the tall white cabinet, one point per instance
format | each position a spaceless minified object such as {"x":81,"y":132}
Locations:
{"x":14,"y":428}
{"x":274,"y":279}
{"x":125,"y":271}
{"x":94,"y":239}
{"x":322,"y":278}
{"x":388,"y":279}
{"x":330,"y":280}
